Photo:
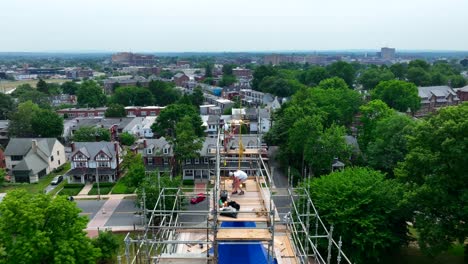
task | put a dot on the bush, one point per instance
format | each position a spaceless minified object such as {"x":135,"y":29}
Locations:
{"x":73,"y":185}
{"x":188,"y":182}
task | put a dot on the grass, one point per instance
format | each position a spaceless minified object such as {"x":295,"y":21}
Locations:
{"x":9,"y":85}
{"x":38,"y":187}
{"x":121,"y":188}
{"x":104,"y":188}
{"x":71,"y":189}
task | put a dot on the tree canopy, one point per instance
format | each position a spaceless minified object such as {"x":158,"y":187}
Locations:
{"x":371,"y":77}
{"x":90,"y":94}
{"x":115,"y":110}
{"x":368,"y":211}
{"x":167,"y":120}
{"x":39,"y":228}
{"x":7,"y":106}
{"x":399,"y":95}
{"x":31,"y":121}
{"x":91,"y":134}
{"x":435,"y":168}
{"x":129,"y":95}
{"x":164,"y":93}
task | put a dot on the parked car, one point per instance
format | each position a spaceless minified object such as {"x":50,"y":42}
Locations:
{"x":57,"y":180}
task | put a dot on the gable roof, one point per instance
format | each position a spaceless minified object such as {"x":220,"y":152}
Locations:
{"x":21,"y":146}
{"x":91,"y":149}
{"x":437,"y":91}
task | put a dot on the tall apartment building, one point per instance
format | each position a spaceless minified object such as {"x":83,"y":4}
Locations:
{"x":134,"y":59}
{"x":387,"y":53}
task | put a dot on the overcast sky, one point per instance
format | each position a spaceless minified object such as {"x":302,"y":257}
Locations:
{"x":232,"y":25}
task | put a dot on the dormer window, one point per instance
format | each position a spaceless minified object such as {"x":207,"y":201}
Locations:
{"x":149,"y":151}
{"x":166,"y":150}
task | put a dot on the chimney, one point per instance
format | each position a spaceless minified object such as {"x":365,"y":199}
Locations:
{"x":117,"y":159}
{"x":144,"y":143}
{"x":34,"y":145}
{"x":72,"y":145}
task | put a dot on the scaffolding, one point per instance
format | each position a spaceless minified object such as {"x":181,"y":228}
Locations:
{"x":174,"y":234}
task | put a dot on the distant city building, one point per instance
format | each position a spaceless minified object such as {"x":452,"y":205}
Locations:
{"x":180,"y":79}
{"x":387,"y":53}
{"x":128,"y":58}
{"x":242,"y":73}
{"x":78,"y":73}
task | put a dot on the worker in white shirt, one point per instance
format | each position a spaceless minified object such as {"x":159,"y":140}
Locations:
{"x":238,"y":178}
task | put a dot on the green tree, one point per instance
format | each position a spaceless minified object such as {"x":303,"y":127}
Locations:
{"x":399,"y":70}
{"x":7,"y":106}
{"x":419,"y":76}
{"x":22,"y":89}
{"x":47,"y":124}
{"x":457,"y":81}
{"x":435,"y":168}
{"x":131,"y":158}
{"x":167,"y":120}
{"x":208,"y":70}
{"x":39,"y":98}
{"x":90,"y":94}
{"x":343,"y":70}
{"x":70,"y":87}
{"x":419,"y":64}
{"x":186,"y":141}
{"x":371,"y":77}
{"x":152,"y":186}
{"x":39,"y":228}
{"x":115,"y":110}
{"x":2,"y":176}
{"x":313,"y":76}
{"x":135,"y":174}
{"x":164,"y":93}
{"x":227,"y":80}
{"x":399,"y":95}
{"x":91,"y":134}
{"x":330,"y":144}
{"x":279,"y":86}
{"x":21,"y":120}
{"x":108,"y":243}
{"x":197,"y":96}
{"x":129,"y":95}
{"x":42,"y":86}
{"x":127,"y":139}
{"x":227,"y":69}
{"x":333,"y":83}
{"x":389,"y":144}
{"x":371,"y":113}
{"x":54,"y":89}
{"x":260,"y":73}
{"x":367,"y":210}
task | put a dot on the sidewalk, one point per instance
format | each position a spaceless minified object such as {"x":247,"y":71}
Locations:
{"x":86,"y":189}
{"x":100,"y":219}
{"x":104,"y":197}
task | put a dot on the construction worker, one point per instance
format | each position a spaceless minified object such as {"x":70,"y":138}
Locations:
{"x":238,"y":178}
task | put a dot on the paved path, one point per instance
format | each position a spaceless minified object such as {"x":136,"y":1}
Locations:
{"x":86,"y":189}
{"x":100,"y":219}
{"x":106,"y":196}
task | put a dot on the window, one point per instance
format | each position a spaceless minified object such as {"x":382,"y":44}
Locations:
{"x":80,"y":164}
{"x":51,"y":158}
{"x":150,"y":161}
{"x":166,"y":150}
{"x":197,"y":161}
{"x":58,"y":162}
{"x":143,"y":113}
{"x":149,"y":151}
{"x":103,"y":164}
{"x":16,"y":158}
{"x":58,"y":152}
{"x":153,"y":113}
{"x":205,"y":160}
{"x":188,"y":161}
{"x":166,"y":161}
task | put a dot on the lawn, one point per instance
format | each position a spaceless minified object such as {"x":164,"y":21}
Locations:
{"x":121,"y":188}
{"x":9,"y":85}
{"x":71,"y":189}
{"x":38,"y":187}
{"x":104,"y":188}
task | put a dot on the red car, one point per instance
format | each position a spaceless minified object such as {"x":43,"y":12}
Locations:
{"x":197,"y":199}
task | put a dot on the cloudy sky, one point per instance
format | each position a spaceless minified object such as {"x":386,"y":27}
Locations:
{"x":232,"y":25}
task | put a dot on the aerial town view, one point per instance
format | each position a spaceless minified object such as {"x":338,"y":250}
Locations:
{"x":234,"y":132}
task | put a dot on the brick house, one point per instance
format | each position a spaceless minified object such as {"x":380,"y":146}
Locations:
{"x":157,"y":154}
{"x":180,"y":79}
{"x":435,"y":97}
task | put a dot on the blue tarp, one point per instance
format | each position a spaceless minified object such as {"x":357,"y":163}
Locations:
{"x":254,"y":253}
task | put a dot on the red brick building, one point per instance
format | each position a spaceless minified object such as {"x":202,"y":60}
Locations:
{"x":180,"y":79}
{"x":462,"y":93}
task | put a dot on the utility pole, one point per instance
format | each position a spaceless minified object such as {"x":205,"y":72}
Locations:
{"x":97,"y":181}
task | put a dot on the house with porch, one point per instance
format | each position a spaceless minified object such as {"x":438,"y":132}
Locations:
{"x":29,"y":159}
{"x":157,"y":154}
{"x":202,"y":167}
{"x":92,"y":161}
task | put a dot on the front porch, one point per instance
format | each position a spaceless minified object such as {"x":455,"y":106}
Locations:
{"x":83,"y":176}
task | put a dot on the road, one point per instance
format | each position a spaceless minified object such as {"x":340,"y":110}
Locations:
{"x":280,"y":181}
{"x":124,"y":214}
